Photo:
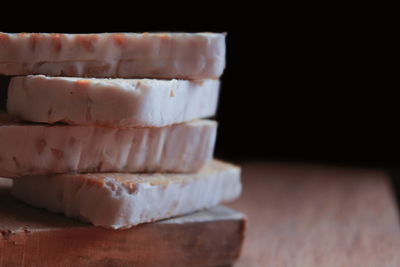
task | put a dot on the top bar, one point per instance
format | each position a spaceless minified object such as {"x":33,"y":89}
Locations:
{"x":114,"y":55}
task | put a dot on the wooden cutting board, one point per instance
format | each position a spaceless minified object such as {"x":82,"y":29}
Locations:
{"x":35,"y":237}
{"x":318,"y":216}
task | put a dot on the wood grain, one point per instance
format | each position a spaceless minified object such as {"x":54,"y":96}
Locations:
{"x":305,"y":215}
{"x":34,"y":237}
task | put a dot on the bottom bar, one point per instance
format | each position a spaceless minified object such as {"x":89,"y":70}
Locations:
{"x":34,"y":237}
{"x":118,"y":200}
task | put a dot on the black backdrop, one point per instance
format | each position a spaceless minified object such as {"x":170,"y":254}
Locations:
{"x":298,"y":86}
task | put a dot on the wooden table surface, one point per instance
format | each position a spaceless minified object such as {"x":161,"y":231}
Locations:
{"x":310,"y":215}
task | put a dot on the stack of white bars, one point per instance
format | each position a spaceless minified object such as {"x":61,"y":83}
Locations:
{"x":107,"y":127}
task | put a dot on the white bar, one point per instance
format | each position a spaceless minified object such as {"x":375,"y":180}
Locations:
{"x":111,"y":102}
{"x":33,"y":149}
{"x":123,"y":200}
{"x":123,"y":55}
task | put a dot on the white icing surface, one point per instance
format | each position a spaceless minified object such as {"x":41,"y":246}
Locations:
{"x":28,"y":149}
{"x":111,"y":102}
{"x":111,"y":205}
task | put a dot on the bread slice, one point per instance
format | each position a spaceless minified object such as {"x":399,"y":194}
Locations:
{"x":33,"y":149}
{"x":123,"y":55}
{"x":117,"y":200}
{"x":111,"y":102}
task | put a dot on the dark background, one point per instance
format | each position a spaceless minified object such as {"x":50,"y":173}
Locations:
{"x":299,"y":85}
